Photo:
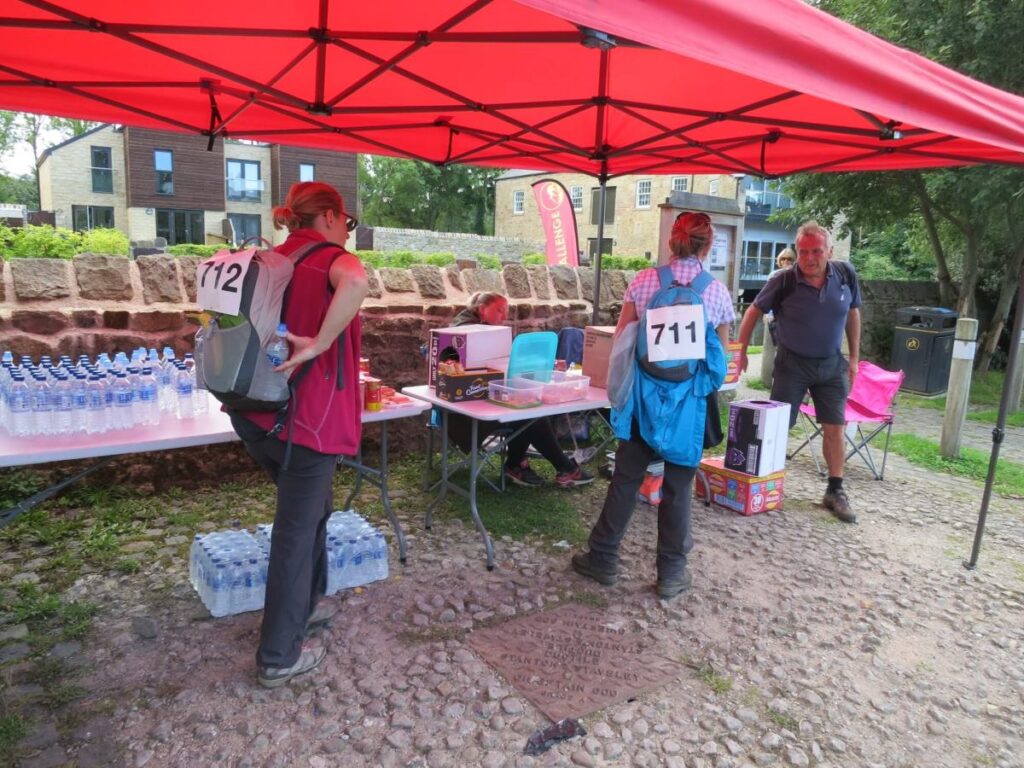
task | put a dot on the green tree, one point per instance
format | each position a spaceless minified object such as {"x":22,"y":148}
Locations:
{"x":967,"y":217}
{"x":21,"y":190}
{"x":410,"y":193}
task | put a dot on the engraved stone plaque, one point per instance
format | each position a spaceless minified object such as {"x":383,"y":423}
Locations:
{"x":574,"y":660}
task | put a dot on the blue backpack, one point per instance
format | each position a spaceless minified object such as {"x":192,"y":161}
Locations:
{"x":671,"y":293}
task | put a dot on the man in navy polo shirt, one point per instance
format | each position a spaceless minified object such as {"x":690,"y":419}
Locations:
{"x":814,"y":303}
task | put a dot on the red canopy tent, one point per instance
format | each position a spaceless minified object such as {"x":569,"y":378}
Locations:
{"x":763,"y":87}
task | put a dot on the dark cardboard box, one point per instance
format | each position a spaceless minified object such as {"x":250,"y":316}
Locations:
{"x":471,"y":385}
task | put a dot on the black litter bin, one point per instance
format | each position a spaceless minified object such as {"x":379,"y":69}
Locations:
{"x":922,"y":347}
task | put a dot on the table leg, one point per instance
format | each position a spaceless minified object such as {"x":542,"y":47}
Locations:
{"x":475,"y":467}
{"x":428,"y":519}
{"x":8,"y":516}
{"x":357,"y":465}
{"x":399,"y":534}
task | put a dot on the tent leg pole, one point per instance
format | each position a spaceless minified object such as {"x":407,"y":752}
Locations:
{"x":600,"y":242}
{"x":998,"y":433}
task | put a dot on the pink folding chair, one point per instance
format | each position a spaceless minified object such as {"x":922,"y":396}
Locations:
{"x":869,"y":414}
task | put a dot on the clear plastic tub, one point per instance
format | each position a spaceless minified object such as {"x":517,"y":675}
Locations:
{"x":559,"y":386}
{"x":517,"y":392}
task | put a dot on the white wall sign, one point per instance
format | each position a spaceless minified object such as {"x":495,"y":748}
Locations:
{"x":719,"y":255}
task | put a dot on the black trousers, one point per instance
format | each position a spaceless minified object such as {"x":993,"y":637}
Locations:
{"x":297,"y":573}
{"x":674,"y":538}
{"x":540,"y":434}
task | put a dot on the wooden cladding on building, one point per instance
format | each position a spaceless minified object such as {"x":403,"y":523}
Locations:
{"x":335,"y":168}
{"x":197,"y":175}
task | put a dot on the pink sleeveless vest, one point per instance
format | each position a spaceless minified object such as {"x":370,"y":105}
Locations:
{"x":326,"y":419}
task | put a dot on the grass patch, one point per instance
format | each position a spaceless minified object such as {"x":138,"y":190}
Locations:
{"x":589,"y":599}
{"x":12,"y":730}
{"x":754,"y":350}
{"x":783,"y":720}
{"x":986,"y":392}
{"x":973,"y":464}
{"x":989,"y":416}
{"x":706,"y":673}
{"x":758,"y":384}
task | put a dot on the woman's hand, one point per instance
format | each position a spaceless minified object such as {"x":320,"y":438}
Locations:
{"x":303,"y":348}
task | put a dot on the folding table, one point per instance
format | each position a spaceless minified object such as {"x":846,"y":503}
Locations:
{"x":484,"y":410}
{"x":205,"y":429}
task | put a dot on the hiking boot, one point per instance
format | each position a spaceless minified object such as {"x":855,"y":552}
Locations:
{"x":669,"y":588}
{"x":309,"y":659}
{"x":524,"y":475}
{"x":585,"y":564}
{"x":837,"y":503}
{"x":320,"y":617}
{"x":573,"y":478}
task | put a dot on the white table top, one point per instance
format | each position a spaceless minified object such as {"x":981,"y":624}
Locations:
{"x":205,"y":429}
{"x":485,"y":410}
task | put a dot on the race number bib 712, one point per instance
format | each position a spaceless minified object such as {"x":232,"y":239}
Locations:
{"x":219,"y":281}
{"x":676,"y":333}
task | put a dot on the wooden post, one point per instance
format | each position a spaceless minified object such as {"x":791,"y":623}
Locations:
{"x":959,"y":386}
{"x":767,"y":355}
{"x":1017,"y":380}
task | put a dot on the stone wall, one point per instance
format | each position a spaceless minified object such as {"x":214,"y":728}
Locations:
{"x":97,"y":303}
{"x":388,"y":239}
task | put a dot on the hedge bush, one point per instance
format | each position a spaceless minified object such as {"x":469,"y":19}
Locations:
{"x":42,"y":242}
{"x":113,"y":242}
{"x":195,"y":249}
{"x":535,"y":258}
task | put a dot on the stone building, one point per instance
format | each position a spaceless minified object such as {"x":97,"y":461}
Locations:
{"x":640,"y":208}
{"x":151,"y":184}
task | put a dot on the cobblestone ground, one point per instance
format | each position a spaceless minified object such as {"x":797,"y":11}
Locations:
{"x":819,"y":643}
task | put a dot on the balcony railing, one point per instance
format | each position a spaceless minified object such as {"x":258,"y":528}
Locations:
{"x":762,"y":203}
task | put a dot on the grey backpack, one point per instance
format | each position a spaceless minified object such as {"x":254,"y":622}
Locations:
{"x":230,"y":354}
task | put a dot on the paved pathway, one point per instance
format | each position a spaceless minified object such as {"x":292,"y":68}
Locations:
{"x":819,"y":644}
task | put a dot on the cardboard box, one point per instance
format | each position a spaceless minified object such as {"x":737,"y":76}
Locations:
{"x":597,"y":348}
{"x":739,"y":492}
{"x":471,"y":385}
{"x":477,"y":346}
{"x":732,"y":361}
{"x":757,"y":437}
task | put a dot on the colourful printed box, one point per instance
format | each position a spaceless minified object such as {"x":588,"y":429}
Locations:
{"x":475,"y":346}
{"x":737,"y":491}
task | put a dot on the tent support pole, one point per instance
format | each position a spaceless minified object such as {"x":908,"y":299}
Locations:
{"x":997,"y":432}
{"x":601,"y":201}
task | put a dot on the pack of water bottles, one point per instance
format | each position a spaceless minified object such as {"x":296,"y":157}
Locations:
{"x":92,"y":396}
{"x":228,"y":569}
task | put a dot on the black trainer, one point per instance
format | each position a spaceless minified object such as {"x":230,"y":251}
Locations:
{"x":669,"y":588}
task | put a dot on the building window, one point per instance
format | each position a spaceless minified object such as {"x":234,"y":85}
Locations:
{"x":246,"y":225}
{"x":606,"y":247}
{"x":86,"y":217}
{"x":163,"y":162}
{"x":576,"y":195}
{"x":518,"y":201}
{"x":643,"y":193}
{"x":178,"y":227}
{"x":680,"y":184}
{"x":713,"y":187}
{"x":307,"y":172}
{"x":244,"y":180}
{"x":609,"y":205}
{"x":759,"y":258}
{"x":102,"y":173}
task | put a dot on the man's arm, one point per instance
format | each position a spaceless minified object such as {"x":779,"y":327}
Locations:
{"x":751,"y":317}
{"x":853,"y":341}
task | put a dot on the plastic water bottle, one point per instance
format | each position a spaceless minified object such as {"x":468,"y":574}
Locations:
{"x":20,"y":407}
{"x":96,"y":406}
{"x":183,"y":390}
{"x":63,"y":405}
{"x":123,"y":399}
{"x":42,"y":405}
{"x":79,"y":401}
{"x":277,"y":349}
{"x":148,"y":398}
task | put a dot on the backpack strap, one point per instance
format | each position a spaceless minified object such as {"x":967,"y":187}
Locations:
{"x":701,"y":282}
{"x":665,"y":276}
{"x":287,"y":412}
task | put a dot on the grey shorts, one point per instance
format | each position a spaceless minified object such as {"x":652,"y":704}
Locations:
{"x":826,"y":378}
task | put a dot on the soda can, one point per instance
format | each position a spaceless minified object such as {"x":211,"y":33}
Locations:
{"x":373,"y":393}
{"x":364,"y":365}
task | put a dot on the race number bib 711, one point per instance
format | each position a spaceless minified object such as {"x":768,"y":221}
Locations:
{"x":676,"y":333}
{"x":219,"y":281}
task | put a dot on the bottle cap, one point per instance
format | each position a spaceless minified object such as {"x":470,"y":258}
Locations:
{"x":282,"y":329}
